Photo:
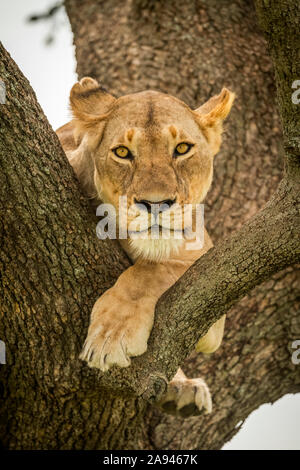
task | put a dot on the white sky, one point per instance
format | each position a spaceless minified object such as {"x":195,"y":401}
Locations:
{"x":51,"y":72}
{"x":50,"y":69}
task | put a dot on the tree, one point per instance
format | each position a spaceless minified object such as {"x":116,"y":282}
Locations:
{"x":53,"y":267}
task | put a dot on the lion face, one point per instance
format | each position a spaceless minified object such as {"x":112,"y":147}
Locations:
{"x":153,"y":149}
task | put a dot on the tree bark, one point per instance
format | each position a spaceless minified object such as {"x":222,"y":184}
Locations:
{"x":191,"y":51}
{"x":49,"y":287}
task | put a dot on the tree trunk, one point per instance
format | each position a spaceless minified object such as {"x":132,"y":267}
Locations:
{"x":50,"y":399}
{"x":192,"y":50}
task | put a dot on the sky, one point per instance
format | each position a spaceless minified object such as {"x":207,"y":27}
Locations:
{"x":50,"y":69}
{"x":51,"y":72}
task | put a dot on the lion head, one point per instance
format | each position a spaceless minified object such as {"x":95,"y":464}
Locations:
{"x":151,"y":148}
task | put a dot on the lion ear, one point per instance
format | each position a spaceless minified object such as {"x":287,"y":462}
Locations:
{"x":89,"y":101}
{"x":210,"y":116}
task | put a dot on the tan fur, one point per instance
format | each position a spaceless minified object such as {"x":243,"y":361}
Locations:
{"x":183,"y":392}
{"x":150,"y":124}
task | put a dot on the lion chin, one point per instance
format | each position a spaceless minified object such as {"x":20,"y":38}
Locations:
{"x":155,"y":250}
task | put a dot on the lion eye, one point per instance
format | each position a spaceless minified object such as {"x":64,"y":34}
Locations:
{"x":122,"y":152}
{"x":182,"y":148}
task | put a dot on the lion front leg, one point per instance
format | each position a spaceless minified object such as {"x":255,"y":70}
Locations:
{"x":119,"y":329}
{"x":122,"y":318}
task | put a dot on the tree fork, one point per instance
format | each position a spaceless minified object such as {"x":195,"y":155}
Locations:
{"x":212,"y":285}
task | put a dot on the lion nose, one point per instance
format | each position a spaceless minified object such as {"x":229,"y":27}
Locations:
{"x":146,"y":205}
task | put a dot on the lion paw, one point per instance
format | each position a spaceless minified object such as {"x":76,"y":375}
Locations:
{"x":119,"y":330}
{"x":187,"y":397}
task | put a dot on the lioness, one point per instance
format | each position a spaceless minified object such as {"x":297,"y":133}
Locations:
{"x":156,"y":150}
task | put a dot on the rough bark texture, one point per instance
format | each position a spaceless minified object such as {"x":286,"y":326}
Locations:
{"x":51,"y":400}
{"x":191,"y":51}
